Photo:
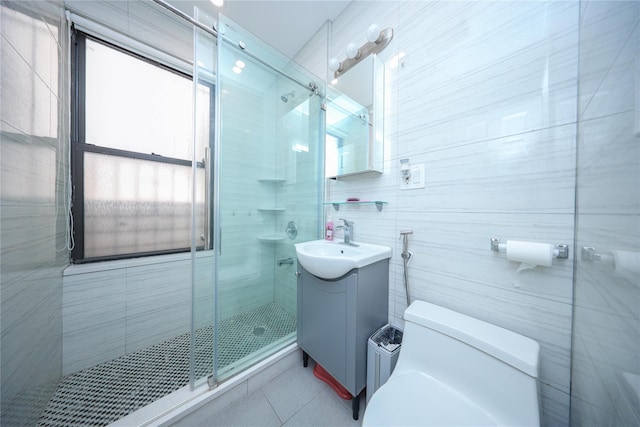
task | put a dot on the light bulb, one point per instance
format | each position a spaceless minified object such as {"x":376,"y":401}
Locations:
{"x":352,"y":51}
{"x":334,"y":64}
{"x":373,"y":33}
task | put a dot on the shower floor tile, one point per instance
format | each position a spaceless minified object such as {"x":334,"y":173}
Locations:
{"x":107,"y":392}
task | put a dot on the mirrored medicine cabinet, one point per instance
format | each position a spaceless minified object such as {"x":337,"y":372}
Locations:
{"x":354,"y":121}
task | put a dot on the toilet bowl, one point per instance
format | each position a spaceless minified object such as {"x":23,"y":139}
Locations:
{"x":455,"y":370}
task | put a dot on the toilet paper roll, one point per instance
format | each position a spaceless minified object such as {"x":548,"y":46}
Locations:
{"x":529,"y":254}
{"x":626,"y":265}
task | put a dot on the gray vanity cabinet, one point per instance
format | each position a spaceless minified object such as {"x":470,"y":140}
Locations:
{"x":336,"y":318}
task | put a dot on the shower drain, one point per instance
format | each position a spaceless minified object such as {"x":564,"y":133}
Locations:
{"x":258,"y":331}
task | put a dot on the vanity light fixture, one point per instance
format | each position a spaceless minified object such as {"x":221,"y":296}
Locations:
{"x":353,"y":52}
{"x":334,"y":64}
{"x":376,"y":41}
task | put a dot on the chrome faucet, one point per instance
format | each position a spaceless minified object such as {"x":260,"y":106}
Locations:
{"x":348,"y":231}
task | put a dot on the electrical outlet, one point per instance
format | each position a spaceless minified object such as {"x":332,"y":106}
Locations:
{"x":415,"y":180}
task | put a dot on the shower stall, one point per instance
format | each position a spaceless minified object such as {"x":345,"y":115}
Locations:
{"x":132,"y":331}
{"x":266,"y":169}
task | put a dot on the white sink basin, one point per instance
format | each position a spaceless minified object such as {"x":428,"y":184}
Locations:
{"x":331,"y":259}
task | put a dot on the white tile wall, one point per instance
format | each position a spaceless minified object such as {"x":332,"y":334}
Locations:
{"x":33,"y":156}
{"x":94,"y":319}
{"x":158,"y":301}
{"x":485,"y":96}
{"x":606,"y":327}
{"x":118,"y":310}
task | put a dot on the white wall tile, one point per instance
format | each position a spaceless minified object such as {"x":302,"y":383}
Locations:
{"x":94,"y":319}
{"x":531,"y":172}
{"x":609,"y":46}
{"x":26,"y":97}
{"x":606,"y":335}
{"x":486,"y":97}
{"x":458,"y":245}
{"x":111,"y":313}
{"x":158,"y":303}
{"x":608,"y":166}
{"x":32,"y":153}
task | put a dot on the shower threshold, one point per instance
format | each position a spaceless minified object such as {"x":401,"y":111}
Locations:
{"x":105,"y":393}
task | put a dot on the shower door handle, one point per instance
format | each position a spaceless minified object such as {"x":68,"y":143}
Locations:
{"x":207,"y":198}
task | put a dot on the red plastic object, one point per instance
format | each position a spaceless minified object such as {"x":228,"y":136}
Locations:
{"x":323,"y":375}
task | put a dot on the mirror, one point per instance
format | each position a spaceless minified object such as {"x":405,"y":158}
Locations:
{"x":354,"y":121}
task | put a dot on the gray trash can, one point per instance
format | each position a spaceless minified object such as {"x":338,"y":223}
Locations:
{"x":382,"y":354}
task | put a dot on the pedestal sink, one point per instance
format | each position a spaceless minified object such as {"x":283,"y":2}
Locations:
{"x":330,"y":259}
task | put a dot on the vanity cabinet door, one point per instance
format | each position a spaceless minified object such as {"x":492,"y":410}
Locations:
{"x":322,"y":332}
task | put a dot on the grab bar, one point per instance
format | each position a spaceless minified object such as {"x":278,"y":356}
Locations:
{"x":288,"y":261}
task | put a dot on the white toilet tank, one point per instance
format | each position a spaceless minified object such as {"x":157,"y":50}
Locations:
{"x":454,"y":369}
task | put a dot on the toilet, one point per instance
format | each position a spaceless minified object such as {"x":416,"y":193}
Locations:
{"x":454,"y":370}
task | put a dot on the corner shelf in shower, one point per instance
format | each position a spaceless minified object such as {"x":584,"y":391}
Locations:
{"x":270,"y":239}
{"x":271,"y":209}
{"x":379,"y":204}
{"x":271,"y":180}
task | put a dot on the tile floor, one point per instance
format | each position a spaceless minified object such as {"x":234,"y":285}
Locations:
{"x":294,"y":398}
{"x":104,"y":393}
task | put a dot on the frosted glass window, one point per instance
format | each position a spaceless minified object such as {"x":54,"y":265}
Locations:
{"x":136,"y":150}
{"x":136,"y":206}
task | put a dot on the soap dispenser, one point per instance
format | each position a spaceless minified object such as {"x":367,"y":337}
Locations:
{"x":328,"y":230}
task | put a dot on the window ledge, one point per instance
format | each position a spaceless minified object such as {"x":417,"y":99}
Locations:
{"x":94,"y":267}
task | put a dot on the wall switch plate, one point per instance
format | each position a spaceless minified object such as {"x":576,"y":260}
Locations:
{"x":415,"y":180}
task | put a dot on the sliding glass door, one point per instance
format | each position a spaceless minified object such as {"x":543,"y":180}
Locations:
{"x":264,"y":174}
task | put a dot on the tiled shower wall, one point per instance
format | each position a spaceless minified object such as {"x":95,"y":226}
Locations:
{"x":33,"y":133}
{"x":606,"y":342}
{"x":116,"y":308}
{"x":484,"y":94}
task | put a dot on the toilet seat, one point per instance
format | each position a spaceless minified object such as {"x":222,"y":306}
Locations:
{"x":415,"y":399}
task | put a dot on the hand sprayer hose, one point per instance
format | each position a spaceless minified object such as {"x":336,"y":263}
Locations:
{"x":406,"y":256}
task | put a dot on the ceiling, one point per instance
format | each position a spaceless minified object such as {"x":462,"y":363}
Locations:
{"x":284,"y":24}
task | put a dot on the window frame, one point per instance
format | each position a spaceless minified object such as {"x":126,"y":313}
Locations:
{"x":79,"y":147}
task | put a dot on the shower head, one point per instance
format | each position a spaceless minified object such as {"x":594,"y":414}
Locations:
{"x":285,"y":96}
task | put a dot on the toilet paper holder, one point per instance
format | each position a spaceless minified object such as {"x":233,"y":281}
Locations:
{"x":590,"y":254}
{"x":559,"y":251}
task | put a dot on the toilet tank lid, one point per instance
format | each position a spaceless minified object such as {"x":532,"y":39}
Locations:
{"x":514,"y":349}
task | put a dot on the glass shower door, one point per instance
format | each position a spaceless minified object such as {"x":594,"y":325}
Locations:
{"x":202,"y":254}
{"x":268,"y":188}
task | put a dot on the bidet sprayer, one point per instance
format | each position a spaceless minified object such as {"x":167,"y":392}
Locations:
{"x":404,"y":235}
{"x":406,"y":256}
